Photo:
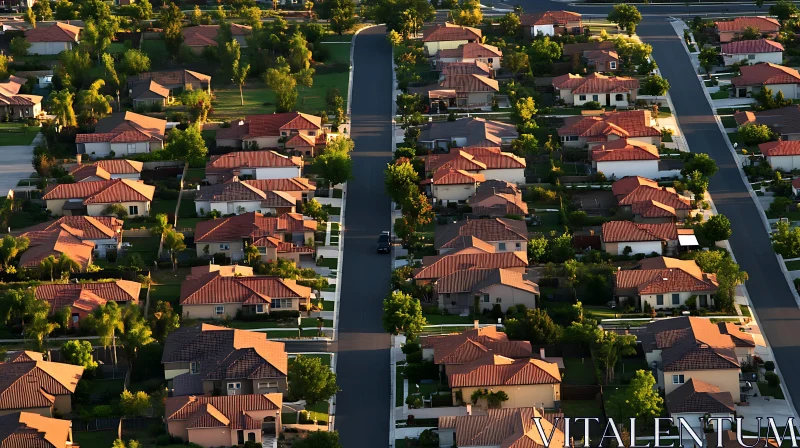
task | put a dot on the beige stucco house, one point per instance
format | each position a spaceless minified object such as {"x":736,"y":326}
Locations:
{"x":664,"y":283}
{"x":460,"y":291}
{"x":30,"y":384}
{"x":94,"y":198}
{"x":448,"y":36}
{"x":123,"y":133}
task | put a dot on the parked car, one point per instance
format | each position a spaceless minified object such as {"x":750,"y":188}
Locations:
{"x":384,"y":243}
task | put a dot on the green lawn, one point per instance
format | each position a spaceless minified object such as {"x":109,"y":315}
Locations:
{"x":195,"y":174}
{"x":729,"y":122}
{"x":331,"y":263}
{"x":581,"y":408}
{"x":12,"y":134}
{"x":116,"y":48}
{"x":793,"y":265}
{"x":325,"y":359}
{"x":549,"y":223}
{"x":767,"y":391}
{"x":156,"y":50}
{"x":328,"y":305}
{"x":745,"y":311}
{"x":170,"y":293}
{"x":337,"y":193}
{"x":99,"y":439}
{"x":720,"y":95}
{"x":187,"y":209}
{"x":114,"y":387}
{"x":166,"y":206}
{"x":731,"y":110}
{"x":579,"y":371}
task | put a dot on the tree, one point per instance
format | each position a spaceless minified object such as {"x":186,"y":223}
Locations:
{"x":173,"y":241}
{"x":526,"y":144}
{"x":626,"y":17}
{"x":135,"y":61}
{"x":545,"y":49}
{"x":335,"y":164}
{"x":786,"y":239}
{"x":79,"y":353}
{"x":19,"y":46}
{"x":106,"y":321}
{"x":10,"y":247}
{"x":610,"y":348}
{"x":43,"y":11}
{"x":30,"y":17}
{"x":510,"y":24}
{"x":755,"y":134}
{"x":171,"y":19}
{"x":537,"y":249}
{"x":314,"y":209}
{"x":700,"y":162}
{"x":394,"y":38}
{"x":240,"y":76}
{"x":639,"y":400}
{"x":160,"y":225}
{"x":416,"y":209}
{"x":119,"y":443}
{"x":402,"y":313}
{"x":525,"y":109}
{"x":717,"y":228}
{"x":67,"y":265}
{"x":134,"y":404}
{"x":783,"y":10}
{"x":137,"y":332}
{"x":164,"y":321}
{"x":342,"y":15}
{"x":61,"y":107}
{"x":729,"y":275}
{"x":319,"y":439}
{"x":196,"y":17}
{"x":468,"y":14}
{"x":251,"y":254}
{"x":750,"y":33}
{"x":187,"y":145}
{"x":404,"y":16}
{"x":399,"y":177}
{"x":310,"y":380}
{"x":3,"y":66}
{"x":535,"y":326}
{"x":65,"y":10}
{"x":110,"y":71}
{"x":117,"y":210}
{"x":92,"y":104}
{"x":709,"y":57}
{"x":251,"y":16}
{"x":47,"y":267}
{"x":697,"y":184}
{"x":516,"y":62}
{"x":299,"y":54}
{"x":199,"y":104}
{"x":280,"y":81}
{"x":655,"y":85}
{"x":38,"y":326}
{"x":95,"y":10}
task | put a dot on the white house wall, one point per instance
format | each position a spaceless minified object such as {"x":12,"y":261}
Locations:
{"x":288,"y":172}
{"x":514,"y":176}
{"x":775,"y":57}
{"x":453,"y":193}
{"x":784,"y":163}
{"x":618,"y":170}
{"x":547,"y":30}
{"x":640,"y":247}
{"x":49,"y":47}
{"x":789,"y":90}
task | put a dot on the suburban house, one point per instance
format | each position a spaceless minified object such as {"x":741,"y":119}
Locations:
{"x":752,"y":51}
{"x":52,"y":38}
{"x":93,"y":198}
{"x":578,"y":132}
{"x":744,"y":342}
{"x":497,"y":199}
{"x":218,"y":296}
{"x":16,"y":105}
{"x":461,"y":291}
{"x":465,"y":133}
{"x":691,"y":348}
{"x":230,"y":235}
{"x":491,"y":162}
{"x":84,"y":298}
{"x":225,"y":420}
{"x":253,"y":165}
{"x":470,"y":345}
{"x":664,"y":283}
{"x":450,"y":185}
{"x":696,"y":399}
{"x":107,"y":170}
{"x":465,"y":91}
{"x":104,"y":231}
{"x":27,"y":429}
{"x":44,"y":78}
{"x":198,"y":37}
{"x":123,"y":133}
{"x":505,"y":235}
{"x":571,"y":51}
{"x":206,"y":359}
{"x":302,"y":133}
{"x":550,"y":23}
{"x":526,"y":381}
{"x":474,"y":52}
{"x":602,"y":61}
{"x":648,"y":202}
{"x":609,"y":91}
{"x":507,"y":427}
{"x":622,"y":157}
{"x":626,"y":237}
{"x":766,"y":75}
{"x":782,"y":155}
{"x":174,"y":80}
{"x":57,"y":242}
{"x":729,"y":30}
{"x":438,"y":266}
{"x":783,"y":121}
{"x":448,"y":36}
{"x":148,"y":94}
{"x":237,"y":197}
{"x":461,"y":68}
{"x":29,"y":384}
{"x":300,"y":188}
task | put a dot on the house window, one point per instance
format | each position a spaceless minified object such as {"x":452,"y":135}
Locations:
{"x":519,"y":246}
{"x":582,"y":97}
{"x":131,"y":148}
{"x":620,"y":97}
{"x":312,"y":133}
{"x":283,"y":134}
{"x":491,"y":60}
{"x":595,"y":98}
{"x":194,"y":368}
{"x":219,"y":310}
{"x":259,"y":309}
{"x":251,"y":437}
{"x":677,"y":379}
{"x":281,"y":303}
{"x":676,"y":299}
{"x":486,"y":298}
{"x":501,"y":247}
{"x":751,"y":56}
{"x":224,"y":246}
{"x":234,"y":387}
{"x":612,"y":65}
{"x":660,"y":299}
{"x":498,"y":300}
{"x":269,"y":385}
{"x":133,"y":210}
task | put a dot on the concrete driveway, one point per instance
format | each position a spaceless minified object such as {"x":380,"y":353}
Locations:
{"x":15,"y":164}
{"x":763,"y":407}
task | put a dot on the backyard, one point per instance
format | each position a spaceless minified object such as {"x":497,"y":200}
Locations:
{"x":14,"y":134}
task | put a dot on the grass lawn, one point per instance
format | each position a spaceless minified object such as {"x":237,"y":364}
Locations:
{"x":195,"y":174}
{"x":112,"y":387}
{"x":667,"y":138}
{"x":398,"y":387}
{"x":793,"y":265}
{"x":324,"y":359}
{"x":337,"y":193}
{"x":549,"y":223}
{"x":720,"y":95}
{"x":187,"y":209}
{"x":745,"y":311}
{"x":729,"y":122}
{"x":12,"y":134}
{"x":328,"y":305}
{"x":188,"y":223}
{"x":156,"y":50}
{"x":731,"y":110}
{"x":331,"y":263}
{"x":170,"y":293}
{"x":94,"y":438}
{"x":581,"y":408}
{"x":602,"y":312}
{"x":579,"y":371}
{"x":116,"y":47}
{"x":767,"y":391}
{"x":164,"y":206}
{"x":627,"y":367}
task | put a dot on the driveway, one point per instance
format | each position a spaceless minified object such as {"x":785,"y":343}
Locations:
{"x":15,"y":164}
{"x":362,"y":407}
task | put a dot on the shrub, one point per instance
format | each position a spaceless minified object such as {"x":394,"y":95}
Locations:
{"x":754,"y":134}
{"x":772,"y":379}
{"x":429,"y":438}
{"x":592,"y":105}
{"x":414,"y":401}
{"x":769,"y":365}
{"x":414,"y":357}
{"x":423,"y":370}
{"x":163,"y":440}
{"x":411,"y":347}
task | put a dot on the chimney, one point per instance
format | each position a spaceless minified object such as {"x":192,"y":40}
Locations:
{"x":541,"y":353}
{"x":78,"y":158}
{"x":475,"y":324}
{"x":469,"y":409}
{"x":192,"y":398}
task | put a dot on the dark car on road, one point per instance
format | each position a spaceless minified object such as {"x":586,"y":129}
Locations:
{"x":384,"y":243}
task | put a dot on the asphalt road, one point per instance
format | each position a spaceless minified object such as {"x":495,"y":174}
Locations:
{"x":652,"y":10}
{"x":362,"y":406}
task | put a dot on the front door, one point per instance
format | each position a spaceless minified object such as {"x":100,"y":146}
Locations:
{"x":240,"y":437}
{"x":742,"y":93}
{"x":704,"y":301}
{"x":608,"y":99}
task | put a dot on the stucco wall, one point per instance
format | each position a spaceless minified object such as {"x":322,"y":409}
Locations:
{"x":264,"y":142}
{"x":652,"y":299}
{"x":453,"y":193}
{"x":639,"y":247}
{"x":547,"y":30}
{"x":278,"y":173}
{"x":520,"y":396}
{"x":210,"y":437}
{"x":432,"y":47}
{"x":509,"y":297}
{"x":49,"y":47}
{"x":63,"y":404}
{"x":618,"y":170}
{"x":605,"y":100}
{"x":514,"y":176}
{"x":173,"y":369}
{"x":774,"y":57}
{"x":789,"y":90}
{"x":784,"y":163}
{"x":234,"y":251}
{"x":99,"y":209}
{"x":208,"y":312}
{"x":726,"y":379}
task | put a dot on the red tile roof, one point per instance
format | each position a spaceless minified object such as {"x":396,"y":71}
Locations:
{"x":629,"y":184}
{"x":507,"y":428}
{"x":439,"y":266}
{"x":270,"y":125}
{"x":765,"y":74}
{"x":739,"y":337}
{"x":252,"y":159}
{"x":83,"y":227}
{"x":25,"y":356}
{"x":472,"y":344}
{"x":213,"y":288}
{"x":206,"y":35}
{"x":763,"y":24}
{"x":490,"y":230}
{"x":477,"y":279}
{"x":102,"y":191}
{"x":661,"y":195}
{"x":464,"y":68}
{"x":251,"y":225}
{"x":31,"y":430}
{"x":148,"y":90}
{"x":472,"y":50}
{"x":496,"y":370}
{"x":58,"y":32}
{"x":55,"y":243}
{"x":172,"y":78}
{"x":65,"y":294}
{"x":494,"y":158}
{"x":470,"y":83}
{"x":752,"y":46}
{"x":558,"y":18}
{"x":105,"y":168}
{"x":696,"y":396}
{"x":653,"y":209}
{"x":25,"y":385}
{"x":623,"y":150}
{"x":634,"y":123}
{"x":690,"y":343}
{"x":293,"y":184}
{"x":780,"y":148}
{"x":627,"y":231}
{"x":450,"y":32}
{"x":126,"y":127}
{"x":663,"y":275}
{"x":449,"y":176}
{"x":230,"y":411}
{"x":595,"y":83}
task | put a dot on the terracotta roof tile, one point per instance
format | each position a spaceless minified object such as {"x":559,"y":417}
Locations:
{"x":83,"y":227}
{"x":449,"y":176}
{"x":765,"y":74}
{"x":472,"y":344}
{"x":623,"y":150}
{"x":780,"y":148}
{"x":464,"y":68}
{"x":230,"y":411}
{"x":489,"y":230}
{"x":647,"y":193}
{"x":558,"y":18}
{"x":601,"y":56}
{"x":251,"y":159}
{"x":470,"y":83}
{"x":581,"y":48}
{"x":653,"y":209}
{"x":251,"y":225}
{"x":626,"y":231}
{"x":293,"y":184}
{"x":494,"y":158}
{"x":231,"y":190}
{"x":102,"y":191}
{"x":763,"y":24}
{"x":450,"y":32}
{"x":56,"y":242}
{"x":172,"y":78}
{"x":478,"y":132}
{"x":148,"y":90}
{"x":206,"y":35}
{"x":595,"y":83}
{"x":507,"y":428}
{"x":31,"y":430}
{"x":740,"y":338}
{"x":476,"y":280}
{"x":472,"y":50}
{"x":270,"y":125}
{"x":690,"y":343}
{"x":628,"y":184}
{"x":634,"y":123}
{"x":214,"y":288}
{"x":496,"y":370}
{"x":25,"y":356}
{"x":126,"y":127}
{"x":752,"y":46}
{"x":439,"y":266}
{"x":58,"y":32}
{"x":455,"y":159}
{"x":60,"y":295}
{"x":26,"y":385}
{"x":696,"y":396}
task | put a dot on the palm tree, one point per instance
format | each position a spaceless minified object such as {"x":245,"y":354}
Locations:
{"x":251,"y":254}
{"x":47,"y":266}
{"x":67,"y":264}
{"x":173,"y":240}
{"x":61,"y":106}
{"x":108,"y":319}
